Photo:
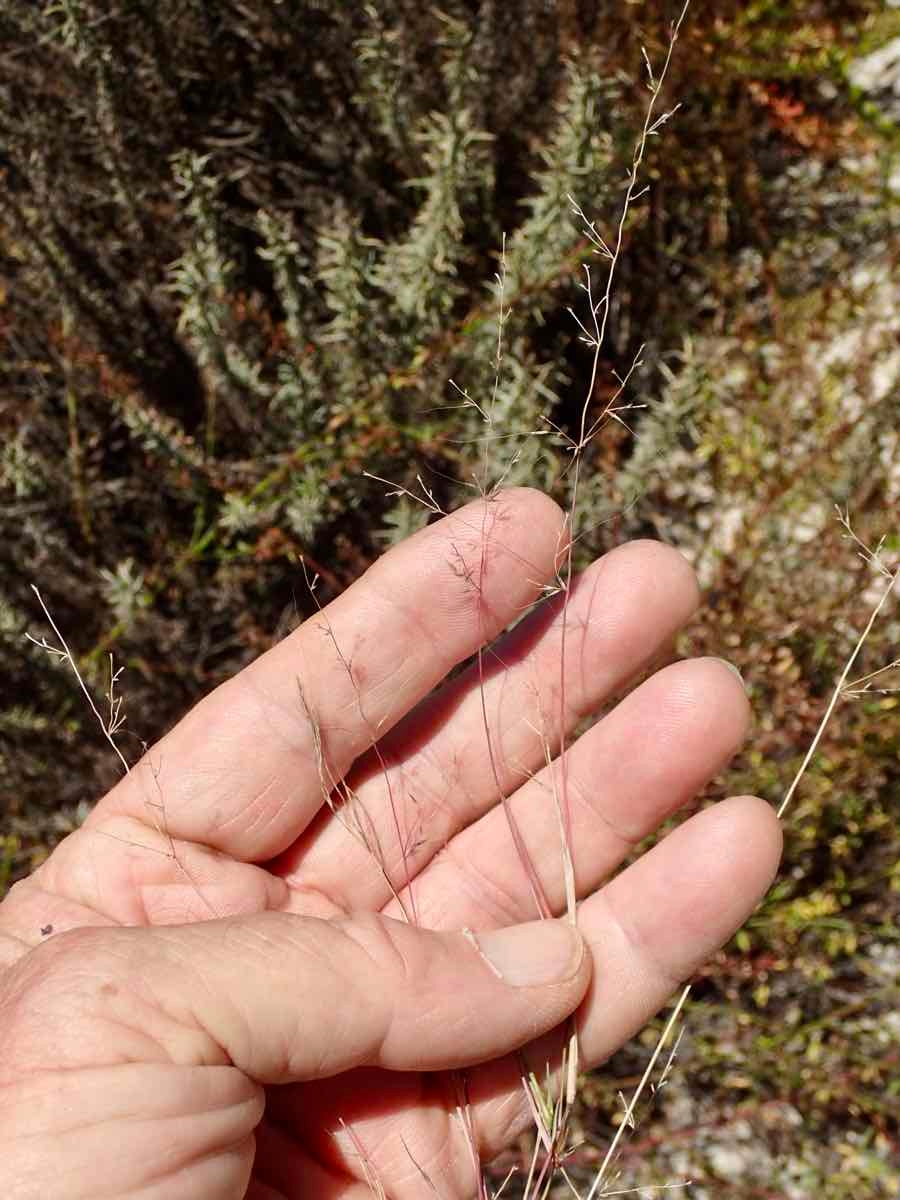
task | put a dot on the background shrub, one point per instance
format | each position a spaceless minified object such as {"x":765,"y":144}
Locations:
{"x":244,"y":249}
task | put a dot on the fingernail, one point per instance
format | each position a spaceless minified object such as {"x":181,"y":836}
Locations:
{"x":731,"y":667}
{"x":532,"y":955}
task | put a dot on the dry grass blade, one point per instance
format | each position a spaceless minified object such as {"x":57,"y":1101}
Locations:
{"x":111,"y":725}
{"x":843,"y":687}
{"x":628,"y":1118}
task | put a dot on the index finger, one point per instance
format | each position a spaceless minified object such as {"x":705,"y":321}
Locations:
{"x":247,"y":769}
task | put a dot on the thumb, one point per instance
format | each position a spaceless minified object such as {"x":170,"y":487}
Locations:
{"x":287,"y":998}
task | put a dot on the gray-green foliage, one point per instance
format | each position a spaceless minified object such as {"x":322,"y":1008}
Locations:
{"x":388,"y":68}
{"x":579,"y":161}
{"x":299,"y":395}
{"x":419,"y":270}
{"x":541,"y":252}
{"x":373,"y":325}
{"x":203,"y":279}
{"x":21,"y":470}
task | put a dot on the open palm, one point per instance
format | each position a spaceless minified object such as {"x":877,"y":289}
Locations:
{"x":331,"y":778}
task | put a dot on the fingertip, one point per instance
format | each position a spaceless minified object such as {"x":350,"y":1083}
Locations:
{"x":533,"y":505}
{"x":545,"y":522}
{"x":758,"y":821}
{"x":707,"y":876}
{"x":638,"y":597}
{"x":743,"y":844}
{"x":720,"y":687}
{"x":665,"y":565}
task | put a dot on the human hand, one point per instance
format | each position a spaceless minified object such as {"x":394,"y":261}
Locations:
{"x":230,"y":1002}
